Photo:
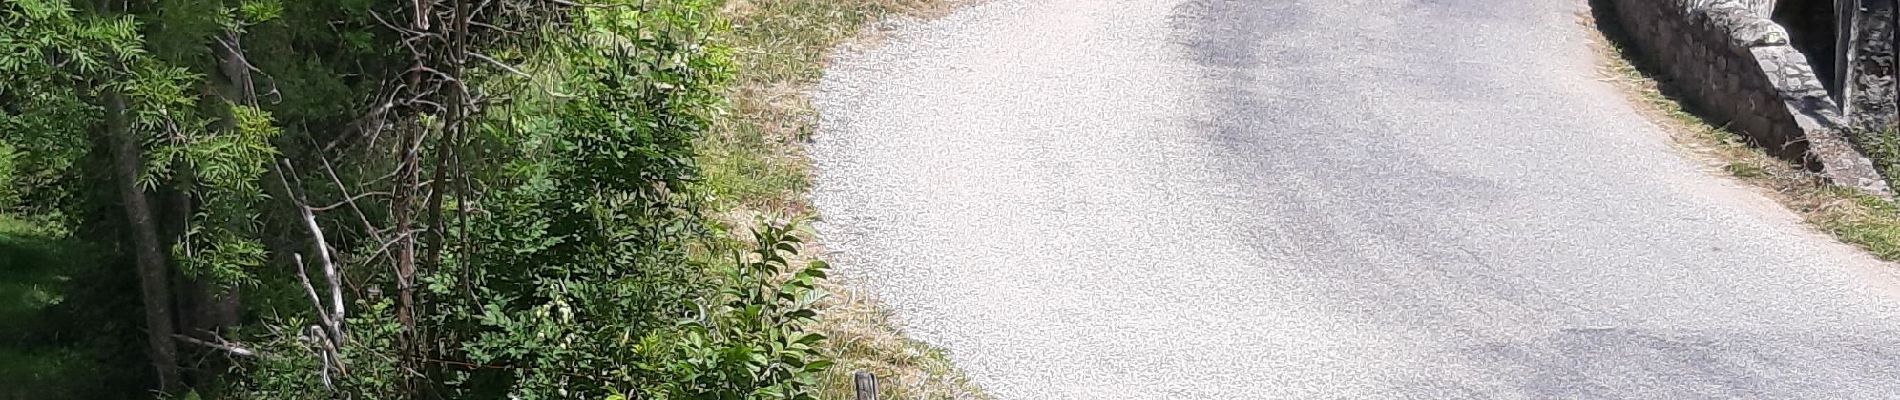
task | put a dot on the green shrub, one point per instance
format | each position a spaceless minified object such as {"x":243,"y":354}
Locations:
{"x":752,"y":341}
{"x":551,"y":249}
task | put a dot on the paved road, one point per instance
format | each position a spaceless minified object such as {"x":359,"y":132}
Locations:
{"x":1225,"y":199}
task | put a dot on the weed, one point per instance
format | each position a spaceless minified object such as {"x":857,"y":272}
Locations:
{"x":1883,"y":147}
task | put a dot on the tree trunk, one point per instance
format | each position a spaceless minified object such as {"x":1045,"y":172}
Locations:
{"x":403,"y":214}
{"x":149,"y":255}
{"x":208,"y":307}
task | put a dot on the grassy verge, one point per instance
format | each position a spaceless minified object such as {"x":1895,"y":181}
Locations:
{"x":1855,"y":218}
{"x":755,"y":165}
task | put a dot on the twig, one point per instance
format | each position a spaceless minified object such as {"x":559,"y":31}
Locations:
{"x":341,"y":188}
{"x":498,"y":63}
{"x":228,"y":347}
{"x":316,"y":336}
{"x":350,"y":201}
{"x":303,"y":277}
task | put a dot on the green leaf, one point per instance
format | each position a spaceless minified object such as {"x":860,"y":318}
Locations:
{"x":810,"y":339}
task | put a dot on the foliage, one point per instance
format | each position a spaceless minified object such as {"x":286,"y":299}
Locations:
{"x":753,"y":340}
{"x":591,"y":200}
{"x":40,"y":357}
{"x":103,"y":55}
{"x":9,"y":196}
{"x":535,"y":240}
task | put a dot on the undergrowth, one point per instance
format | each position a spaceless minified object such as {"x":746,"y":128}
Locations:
{"x":36,"y":361}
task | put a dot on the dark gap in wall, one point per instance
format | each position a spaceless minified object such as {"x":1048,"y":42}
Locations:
{"x":1811,"y":29}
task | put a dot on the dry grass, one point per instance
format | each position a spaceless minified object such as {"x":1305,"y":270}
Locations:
{"x":861,"y":335}
{"x":755,"y":159}
{"x":1865,"y":221}
{"x":755,"y":165}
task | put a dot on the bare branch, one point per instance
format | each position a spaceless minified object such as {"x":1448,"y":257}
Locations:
{"x":228,"y":347}
{"x":303,"y":278}
{"x":498,"y":63}
{"x":331,"y":278}
{"x":485,"y":25}
{"x":573,"y":4}
{"x":349,"y":201}
{"x":341,"y":188}
{"x":322,"y":349}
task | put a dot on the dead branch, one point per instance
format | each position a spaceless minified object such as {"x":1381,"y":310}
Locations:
{"x":303,"y":278}
{"x":498,"y":63}
{"x":226,"y":346}
{"x":330,"y":275}
{"x":586,"y":5}
{"x":321,"y":348}
{"x":341,"y":188}
{"x":349,"y":201}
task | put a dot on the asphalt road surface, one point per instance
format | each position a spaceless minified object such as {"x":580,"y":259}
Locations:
{"x":1228,"y":199}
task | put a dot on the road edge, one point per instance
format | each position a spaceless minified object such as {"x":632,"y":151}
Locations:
{"x":1864,"y":221}
{"x":758,"y":170}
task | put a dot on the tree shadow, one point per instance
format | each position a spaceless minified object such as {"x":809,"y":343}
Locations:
{"x":56,"y":341}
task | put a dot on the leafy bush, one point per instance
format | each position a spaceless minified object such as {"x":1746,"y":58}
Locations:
{"x":752,"y":340}
{"x":542,"y":218}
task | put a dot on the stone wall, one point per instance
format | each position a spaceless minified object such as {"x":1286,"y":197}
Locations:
{"x":1736,"y":67}
{"x":1871,"y":103}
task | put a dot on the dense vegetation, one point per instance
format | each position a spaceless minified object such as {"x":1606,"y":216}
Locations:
{"x":377,"y":199}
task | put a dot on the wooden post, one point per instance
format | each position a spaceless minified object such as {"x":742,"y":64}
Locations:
{"x":866,"y":385}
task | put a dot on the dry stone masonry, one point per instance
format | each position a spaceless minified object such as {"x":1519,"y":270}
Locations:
{"x":1737,"y":67}
{"x":1868,"y":64}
